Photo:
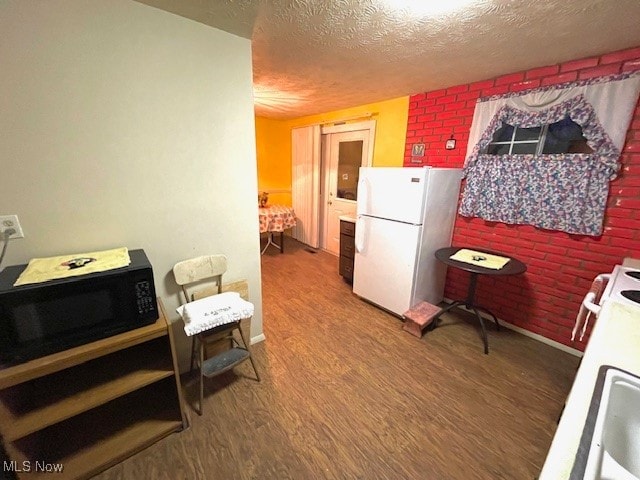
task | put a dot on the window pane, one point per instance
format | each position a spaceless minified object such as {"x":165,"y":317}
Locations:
{"x":503,"y":134}
{"x":524,"y":148}
{"x":532,"y":133}
{"x":565,"y":136}
{"x":349,"y":161}
{"x":498,"y":149}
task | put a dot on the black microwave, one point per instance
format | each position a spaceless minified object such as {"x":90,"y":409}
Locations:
{"x":44,"y":318}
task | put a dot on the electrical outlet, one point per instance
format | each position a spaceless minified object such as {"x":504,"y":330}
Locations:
{"x":11,"y":221}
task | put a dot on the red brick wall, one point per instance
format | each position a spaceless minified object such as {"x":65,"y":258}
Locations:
{"x":561,"y":267}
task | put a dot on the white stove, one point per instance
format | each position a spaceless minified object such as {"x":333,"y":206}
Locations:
{"x":623,"y":286}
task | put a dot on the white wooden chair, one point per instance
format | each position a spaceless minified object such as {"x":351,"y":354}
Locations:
{"x":193,"y":276}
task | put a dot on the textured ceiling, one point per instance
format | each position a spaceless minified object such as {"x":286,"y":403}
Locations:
{"x":317,"y":56}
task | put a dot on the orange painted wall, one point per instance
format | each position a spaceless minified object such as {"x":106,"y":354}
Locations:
{"x":273,"y":152}
{"x":273,"y":142}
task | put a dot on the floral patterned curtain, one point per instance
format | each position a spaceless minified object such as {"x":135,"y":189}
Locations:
{"x":566,"y":192}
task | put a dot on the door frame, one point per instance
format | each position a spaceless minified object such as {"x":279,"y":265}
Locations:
{"x":325,"y":132}
{"x":353,"y":127}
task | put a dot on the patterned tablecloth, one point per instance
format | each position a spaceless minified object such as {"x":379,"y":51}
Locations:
{"x":276,"y":218}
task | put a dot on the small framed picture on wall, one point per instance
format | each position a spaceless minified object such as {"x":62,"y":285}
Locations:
{"x":417,"y":150}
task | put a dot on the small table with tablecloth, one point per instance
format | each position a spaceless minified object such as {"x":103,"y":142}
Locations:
{"x":477,"y":262}
{"x":274,"y":219}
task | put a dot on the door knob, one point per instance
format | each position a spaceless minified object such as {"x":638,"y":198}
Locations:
{"x":330,"y":203}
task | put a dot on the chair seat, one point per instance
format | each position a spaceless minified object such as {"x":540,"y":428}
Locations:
{"x":224,"y":361}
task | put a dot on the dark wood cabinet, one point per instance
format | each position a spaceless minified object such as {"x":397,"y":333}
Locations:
{"x":347,"y":249}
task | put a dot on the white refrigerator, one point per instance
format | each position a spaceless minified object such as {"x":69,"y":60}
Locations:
{"x":403,"y":216}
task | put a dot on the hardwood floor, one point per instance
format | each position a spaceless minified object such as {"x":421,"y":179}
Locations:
{"x":347,"y":394}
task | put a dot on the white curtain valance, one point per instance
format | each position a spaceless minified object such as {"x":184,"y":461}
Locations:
{"x":613,"y":99}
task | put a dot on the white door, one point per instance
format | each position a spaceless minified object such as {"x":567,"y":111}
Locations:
{"x":345,"y":153}
{"x":385,"y":262}
{"x":305,"y":183}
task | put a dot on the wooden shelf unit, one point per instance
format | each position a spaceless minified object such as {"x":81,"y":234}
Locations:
{"x":91,"y":406}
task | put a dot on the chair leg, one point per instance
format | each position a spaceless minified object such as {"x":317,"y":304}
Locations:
{"x":246,"y":345}
{"x":255,"y":370}
{"x":201,"y":354}
{"x":193,"y":353}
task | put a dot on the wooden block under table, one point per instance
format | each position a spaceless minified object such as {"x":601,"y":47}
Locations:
{"x":417,"y":318}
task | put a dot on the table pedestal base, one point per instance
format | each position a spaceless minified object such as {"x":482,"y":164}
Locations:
{"x":475,"y":309}
{"x":469,"y":305}
{"x":271,"y":242}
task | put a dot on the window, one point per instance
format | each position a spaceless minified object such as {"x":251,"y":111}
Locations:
{"x":564,"y":136}
{"x":528,"y":160}
{"x":349,"y":162}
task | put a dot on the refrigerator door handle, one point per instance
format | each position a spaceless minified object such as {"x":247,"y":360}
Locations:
{"x":359,"y":237}
{"x":363,"y":196}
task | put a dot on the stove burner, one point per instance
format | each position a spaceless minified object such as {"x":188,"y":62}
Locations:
{"x":633,"y":295}
{"x":633,"y":274}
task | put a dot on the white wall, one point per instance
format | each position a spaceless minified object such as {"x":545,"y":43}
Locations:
{"x":124,"y":125}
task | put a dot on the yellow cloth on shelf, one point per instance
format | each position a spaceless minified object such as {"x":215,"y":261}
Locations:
{"x":51,"y":268}
{"x":480,"y":259}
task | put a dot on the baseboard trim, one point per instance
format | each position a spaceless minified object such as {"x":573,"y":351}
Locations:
{"x":527,"y":333}
{"x":257,"y":339}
